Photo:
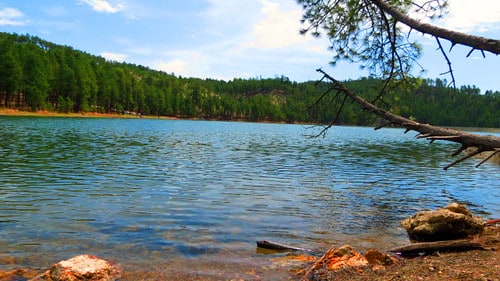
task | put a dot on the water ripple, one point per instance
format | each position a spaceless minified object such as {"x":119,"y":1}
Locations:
{"x":139,"y":188}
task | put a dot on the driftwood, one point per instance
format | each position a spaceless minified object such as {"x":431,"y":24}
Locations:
{"x":425,"y":248}
{"x":281,"y":247}
{"x":480,"y":143}
{"x":492,"y":222}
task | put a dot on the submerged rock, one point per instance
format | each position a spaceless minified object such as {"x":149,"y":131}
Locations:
{"x":81,"y":268}
{"x":454,"y":221}
{"x":18,"y":274}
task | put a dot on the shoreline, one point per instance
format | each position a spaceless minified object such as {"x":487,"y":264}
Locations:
{"x":45,"y":113}
{"x":477,"y":264}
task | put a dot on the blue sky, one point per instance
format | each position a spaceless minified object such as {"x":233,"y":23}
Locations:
{"x":226,"y":39}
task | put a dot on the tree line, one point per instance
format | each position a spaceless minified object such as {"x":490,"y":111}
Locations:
{"x":36,"y":74}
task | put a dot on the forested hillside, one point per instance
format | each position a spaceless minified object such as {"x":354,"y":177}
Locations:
{"x":36,"y":74}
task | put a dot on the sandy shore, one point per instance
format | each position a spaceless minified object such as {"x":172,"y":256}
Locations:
{"x":46,"y":113}
{"x":41,"y":113}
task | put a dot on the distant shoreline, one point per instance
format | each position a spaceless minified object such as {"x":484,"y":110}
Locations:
{"x":46,"y":113}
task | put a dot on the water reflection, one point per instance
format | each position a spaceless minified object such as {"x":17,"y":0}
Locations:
{"x":153,"y":189}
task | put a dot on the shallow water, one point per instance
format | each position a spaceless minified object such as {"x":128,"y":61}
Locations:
{"x":143,"y":191}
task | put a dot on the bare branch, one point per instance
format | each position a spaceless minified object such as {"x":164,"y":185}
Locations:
{"x":488,"y":157}
{"x":475,"y":42}
{"x":462,"y":148}
{"x":429,"y":132}
{"x":383,"y":125}
{"x":470,"y":52}
{"x":450,"y":69}
{"x":464,"y":158}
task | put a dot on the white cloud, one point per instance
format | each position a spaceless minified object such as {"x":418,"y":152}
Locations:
{"x":11,"y":16}
{"x":234,"y":18}
{"x":278,"y":27}
{"x":468,"y":16}
{"x":265,"y":41}
{"x":174,"y":66}
{"x":187,"y":63}
{"x":114,"y":56}
{"x":479,"y":15}
{"x":103,"y":6}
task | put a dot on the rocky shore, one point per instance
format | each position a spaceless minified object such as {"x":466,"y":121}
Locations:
{"x":480,"y":263}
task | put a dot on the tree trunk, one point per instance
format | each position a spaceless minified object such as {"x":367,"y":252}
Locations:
{"x":481,"y":143}
{"x":416,"y":249}
{"x":475,"y":42}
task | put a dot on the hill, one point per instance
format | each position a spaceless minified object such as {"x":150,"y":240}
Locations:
{"x":40,"y":75}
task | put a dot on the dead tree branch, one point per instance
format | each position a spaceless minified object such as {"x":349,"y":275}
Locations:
{"x":480,"y":142}
{"x":264,"y":244}
{"x":416,"y":249}
{"x":450,"y":69}
{"x":475,"y":42}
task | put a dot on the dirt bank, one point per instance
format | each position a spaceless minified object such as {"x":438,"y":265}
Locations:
{"x":45,"y":113}
{"x":477,"y":265}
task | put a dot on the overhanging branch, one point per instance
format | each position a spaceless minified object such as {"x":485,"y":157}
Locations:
{"x":480,"y":142}
{"x":475,"y":42}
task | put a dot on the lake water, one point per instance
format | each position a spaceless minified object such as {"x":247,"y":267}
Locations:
{"x":152,"y":193}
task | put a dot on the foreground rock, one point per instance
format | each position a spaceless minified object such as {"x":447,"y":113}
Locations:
{"x":454,"y":221}
{"x":81,"y":268}
{"x":345,"y":257}
{"x":469,"y":265}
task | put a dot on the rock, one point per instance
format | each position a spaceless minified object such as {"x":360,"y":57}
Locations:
{"x":459,"y":209}
{"x":452,"y":222}
{"x":81,"y":268}
{"x":376,"y":258}
{"x":344,"y":256}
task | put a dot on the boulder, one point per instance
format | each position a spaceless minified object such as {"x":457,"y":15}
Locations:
{"x":346,"y":257}
{"x":335,"y":259}
{"x":342,"y":257}
{"x":454,"y":221}
{"x":81,"y":268}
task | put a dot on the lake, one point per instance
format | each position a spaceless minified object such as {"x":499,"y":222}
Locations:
{"x":195,"y":196}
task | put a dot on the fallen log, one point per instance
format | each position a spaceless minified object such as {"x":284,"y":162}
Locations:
{"x":426,"y":248}
{"x":281,"y":247}
{"x":492,"y":222}
{"x":477,"y":143}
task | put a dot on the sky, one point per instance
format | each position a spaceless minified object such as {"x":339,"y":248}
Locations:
{"x":227,"y":39}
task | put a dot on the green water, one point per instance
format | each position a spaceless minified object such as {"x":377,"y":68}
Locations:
{"x":145,"y":192}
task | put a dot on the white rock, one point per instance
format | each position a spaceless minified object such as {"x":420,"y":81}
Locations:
{"x":81,"y":268}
